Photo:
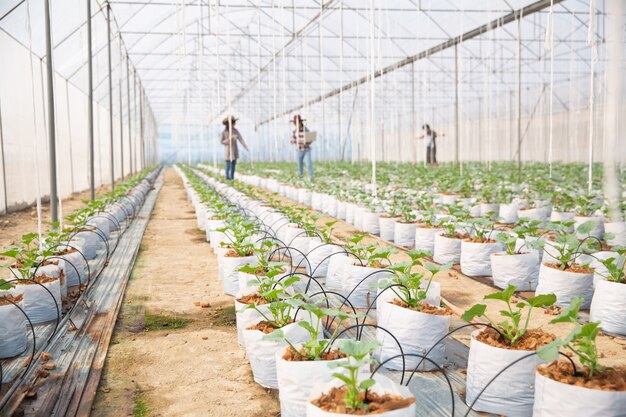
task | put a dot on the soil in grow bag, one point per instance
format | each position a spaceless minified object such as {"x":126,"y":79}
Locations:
{"x":301,"y":355}
{"x":575,"y":268}
{"x":610,"y":379}
{"x":254,"y":298}
{"x":232,"y":254}
{"x":7,"y":298}
{"x":532,"y":340}
{"x":332,"y":402}
{"x":425,"y":308}
{"x":265,"y":327}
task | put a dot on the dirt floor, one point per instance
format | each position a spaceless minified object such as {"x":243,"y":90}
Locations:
{"x":174,"y":351}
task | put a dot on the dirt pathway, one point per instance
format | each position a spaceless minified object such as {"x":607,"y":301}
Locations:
{"x":170,"y":356}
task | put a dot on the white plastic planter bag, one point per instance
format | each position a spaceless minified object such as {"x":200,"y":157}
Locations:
{"x":296,"y":380}
{"x":382,"y":386}
{"x":618,"y":232}
{"x":446,"y":250}
{"x":304,"y":197}
{"x":486,"y":208}
{"x":102,"y":225}
{"x":371,"y":224}
{"x":299,"y":250}
{"x":508,"y":213}
{"x":350,"y":213}
{"x":330,"y":205}
{"x":387,"y":226}
{"x":317,"y":202}
{"x":341,"y":210}
{"x":476,"y":257}
{"x":599,"y":270}
{"x":425,"y":238}
{"x":556,"y":399}
{"x":404,"y":234}
{"x":38,"y":304}
{"x":537,"y":213}
{"x":13,"y":328}
{"x":200,"y":215}
{"x":73,"y":276}
{"x":433,"y":295}
{"x":336,"y":271}
{"x":521,"y":270}
{"x":55,"y":271}
{"x":86,"y":243}
{"x":512,"y":393}
{"x":358,"y":217}
{"x":608,"y":306}
{"x":318,"y":256}
{"x":562,"y":216}
{"x":262,"y":353}
{"x":565,"y":285}
{"x":230,"y":275}
{"x":248,"y":317}
{"x":417,"y":332}
{"x":211,"y":226}
{"x":597,"y":231}
{"x":357,"y":288}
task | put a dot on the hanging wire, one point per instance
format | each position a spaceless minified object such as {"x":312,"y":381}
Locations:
{"x":372,"y":118}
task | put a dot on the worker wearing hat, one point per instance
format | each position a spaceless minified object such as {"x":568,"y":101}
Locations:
{"x":303,"y":148}
{"x":230,"y":137}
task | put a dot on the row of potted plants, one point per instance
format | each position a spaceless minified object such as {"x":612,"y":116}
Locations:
{"x":512,"y":336}
{"x":48,"y":273}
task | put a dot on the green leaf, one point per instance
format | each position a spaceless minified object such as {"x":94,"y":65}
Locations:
{"x":570,"y":315}
{"x":276,"y":336}
{"x":476,"y":310}
{"x":587,"y":227}
{"x":307,"y":326}
{"x":550,"y":352}
{"x":504,"y":295}
{"x":543,"y":300}
{"x":367,"y":384}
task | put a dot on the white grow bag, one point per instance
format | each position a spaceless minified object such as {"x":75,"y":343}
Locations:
{"x":598,"y":230}
{"x":425,"y":238}
{"x":387,"y":227}
{"x":618,"y":232}
{"x":248,"y":317}
{"x":446,"y":250}
{"x":556,"y":399}
{"x":508,"y":213}
{"x":371,"y":224}
{"x":512,"y":393}
{"x":341,"y":210}
{"x":296,"y":380}
{"x":211,"y":226}
{"x":350,"y":213}
{"x":476,"y":257}
{"x":608,"y":306}
{"x":361,"y":296}
{"x":520,"y":269}
{"x":383,"y":385}
{"x":318,"y":256}
{"x":565,"y":285}
{"x":73,"y":276}
{"x":14,"y":331}
{"x":299,"y":249}
{"x":336,"y":271}
{"x":404,"y":234}
{"x":417,"y":332}
{"x":38,"y":304}
{"x":262,"y":353}
{"x":229,"y":266}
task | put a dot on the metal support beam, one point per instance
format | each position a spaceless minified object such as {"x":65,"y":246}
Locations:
{"x":519,"y":95}
{"x":499,"y":22}
{"x":92,"y":183}
{"x":457,"y":131}
{"x":130,"y":133}
{"x":112,"y":159}
{"x":54,"y":214}
{"x":121,"y":117}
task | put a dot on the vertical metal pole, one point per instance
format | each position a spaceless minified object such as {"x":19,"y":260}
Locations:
{"x":413,"y":130}
{"x":121,"y":112}
{"x":110,"y":95}
{"x":4,"y":171}
{"x":456,"y":104}
{"x":51,"y":122}
{"x":92,"y":181}
{"x":141,"y":128}
{"x":130,"y":130}
{"x":519,"y":94}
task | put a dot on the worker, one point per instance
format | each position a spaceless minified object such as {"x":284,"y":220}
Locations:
{"x":431,"y":144}
{"x":230,"y":137}
{"x":303,"y":147}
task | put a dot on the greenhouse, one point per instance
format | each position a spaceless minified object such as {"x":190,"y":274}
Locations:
{"x":313,"y":208}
